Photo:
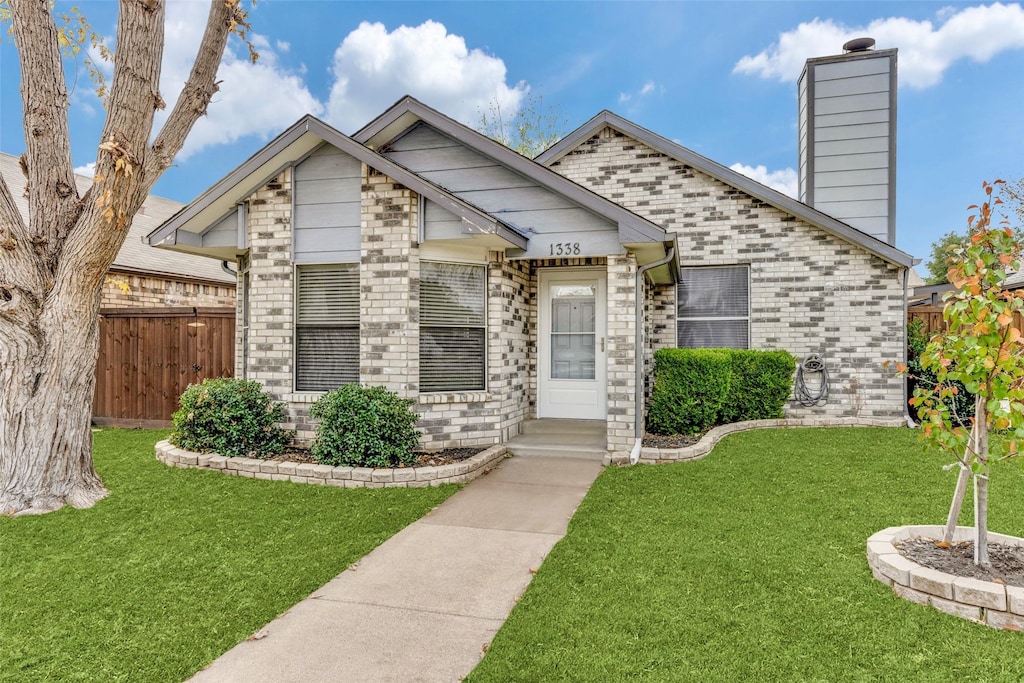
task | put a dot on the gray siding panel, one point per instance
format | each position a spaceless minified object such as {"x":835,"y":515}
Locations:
{"x":852,"y":162}
{"x":324,"y":239}
{"x":328,"y":163}
{"x":326,"y":219}
{"x":481,"y":178}
{"x":440,"y":159}
{"x":838,"y":147}
{"x":223,"y":233}
{"x":864,"y":130}
{"x":862,"y":85}
{"x":869,"y":176}
{"x":484,"y":183}
{"x":337,"y":215}
{"x":440,"y":223}
{"x":851,"y":68}
{"x":327,"y":191}
{"x":850,"y":193}
{"x":854,"y":209}
{"x":852,"y":118}
{"x":842,"y":105}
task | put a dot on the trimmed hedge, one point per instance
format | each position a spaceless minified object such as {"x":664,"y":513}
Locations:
{"x":690,"y":387}
{"x":232,"y":417}
{"x":364,"y":427}
{"x":696,"y":389}
{"x":761,"y":383}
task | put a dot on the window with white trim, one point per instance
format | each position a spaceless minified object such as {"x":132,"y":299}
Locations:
{"x":453,"y":326}
{"x":713,"y":307}
{"x":326,"y":326}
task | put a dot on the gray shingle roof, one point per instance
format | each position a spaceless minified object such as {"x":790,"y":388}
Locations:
{"x":135,"y":255}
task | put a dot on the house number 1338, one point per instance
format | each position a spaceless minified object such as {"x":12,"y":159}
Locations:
{"x":565,"y":249}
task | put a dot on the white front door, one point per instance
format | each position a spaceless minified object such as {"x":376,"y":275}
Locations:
{"x":571,"y":345}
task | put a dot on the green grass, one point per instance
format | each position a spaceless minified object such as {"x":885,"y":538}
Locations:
{"x":750,"y":565}
{"x":175,"y":566}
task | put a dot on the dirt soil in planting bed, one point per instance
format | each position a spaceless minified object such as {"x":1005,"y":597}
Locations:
{"x":673,"y":441}
{"x":424,"y":458}
{"x":1007,"y":562}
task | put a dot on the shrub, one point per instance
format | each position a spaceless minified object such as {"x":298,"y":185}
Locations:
{"x":232,"y":417}
{"x":961,"y":404}
{"x":690,"y":386}
{"x":364,"y":426}
{"x":760,"y":385}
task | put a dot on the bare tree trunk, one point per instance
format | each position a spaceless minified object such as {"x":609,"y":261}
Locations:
{"x":47,"y":371}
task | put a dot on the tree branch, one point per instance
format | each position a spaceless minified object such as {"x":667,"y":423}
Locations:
{"x":119,"y":186}
{"x":53,"y":198}
{"x":199,"y":88}
{"x":20,"y":268}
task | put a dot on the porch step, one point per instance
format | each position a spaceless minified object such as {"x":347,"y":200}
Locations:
{"x":560,"y":439}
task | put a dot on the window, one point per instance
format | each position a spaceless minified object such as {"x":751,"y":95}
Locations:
{"x":326,"y":327}
{"x":713,"y":308}
{"x":452,"y":326}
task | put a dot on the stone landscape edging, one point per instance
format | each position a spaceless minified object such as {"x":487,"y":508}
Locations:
{"x":327,"y":475}
{"x":985,"y":602}
{"x":653,"y":456}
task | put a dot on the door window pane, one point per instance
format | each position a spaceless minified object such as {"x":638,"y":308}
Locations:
{"x":573,"y":320}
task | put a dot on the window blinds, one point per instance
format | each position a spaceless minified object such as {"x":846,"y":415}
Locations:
{"x":713,"y":306}
{"x":327,"y":327}
{"x":452,"y":327}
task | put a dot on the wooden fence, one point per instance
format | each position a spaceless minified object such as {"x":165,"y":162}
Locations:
{"x":148,"y":357}
{"x":932,"y":318}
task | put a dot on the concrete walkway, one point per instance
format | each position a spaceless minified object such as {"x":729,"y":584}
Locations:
{"x":422,"y":606}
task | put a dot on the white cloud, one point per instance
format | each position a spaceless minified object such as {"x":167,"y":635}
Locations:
{"x":258,"y":99}
{"x":374,"y":67}
{"x":646,"y":89}
{"x":88,"y":170}
{"x":783,"y":180}
{"x":975,"y":33}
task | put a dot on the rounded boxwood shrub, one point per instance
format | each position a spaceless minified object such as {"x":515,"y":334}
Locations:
{"x":231,"y":417}
{"x":690,"y":386}
{"x":364,"y":427}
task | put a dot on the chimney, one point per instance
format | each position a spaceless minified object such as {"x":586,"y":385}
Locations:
{"x":847,"y":137}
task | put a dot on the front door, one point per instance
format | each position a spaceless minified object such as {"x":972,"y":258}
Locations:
{"x":571,"y":345}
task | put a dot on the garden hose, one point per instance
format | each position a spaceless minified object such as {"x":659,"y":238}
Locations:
{"x":806,"y":395}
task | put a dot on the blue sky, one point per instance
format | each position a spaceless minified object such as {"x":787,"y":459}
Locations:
{"x":719,"y":78}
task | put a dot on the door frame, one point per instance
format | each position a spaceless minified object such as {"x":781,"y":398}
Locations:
{"x":545,"y":408}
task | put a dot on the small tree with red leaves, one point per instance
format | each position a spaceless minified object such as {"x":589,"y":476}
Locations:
{"x":983,"y":350}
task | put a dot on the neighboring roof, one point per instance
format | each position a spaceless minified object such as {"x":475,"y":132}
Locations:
{"x":135,"y":255}
{"x":408,"y":111}
{"x":1015,"y":280}
{"x":727,"y":176}
{"x":299,"y":140}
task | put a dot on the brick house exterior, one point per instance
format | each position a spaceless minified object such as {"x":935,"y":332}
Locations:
{"x":573,"y":252}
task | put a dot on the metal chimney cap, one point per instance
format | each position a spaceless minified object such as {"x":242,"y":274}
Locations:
{"x":859,"y":45}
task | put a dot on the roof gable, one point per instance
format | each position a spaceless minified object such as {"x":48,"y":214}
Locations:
{"x":407,"y":112}
{"x":726,"y":175}
{"x":294,"y":144}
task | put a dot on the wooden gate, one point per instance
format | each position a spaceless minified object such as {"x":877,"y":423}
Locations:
{"x":148,"y":356}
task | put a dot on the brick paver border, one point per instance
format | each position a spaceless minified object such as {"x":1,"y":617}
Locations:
{"x":327,"y":475}
{"x":985,"y":602}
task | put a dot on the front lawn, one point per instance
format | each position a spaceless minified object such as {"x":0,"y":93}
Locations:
{"x":175,"y":566}
{"x":750,"y":565}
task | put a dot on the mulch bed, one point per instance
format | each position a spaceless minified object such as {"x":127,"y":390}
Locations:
{"x":673,"y":441}
{"x":424,"y":458}
{"x":1007,"y":562}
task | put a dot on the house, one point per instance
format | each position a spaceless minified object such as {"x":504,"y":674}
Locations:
{"x":162,"y":316}
{"x":492,"y":289}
